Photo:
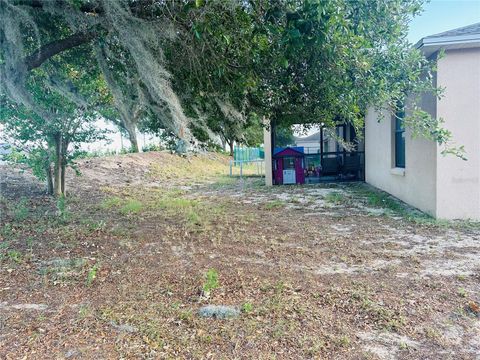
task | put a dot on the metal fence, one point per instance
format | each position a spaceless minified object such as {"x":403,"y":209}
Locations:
{"x":247,"y":167}
{"x":248,"y":153}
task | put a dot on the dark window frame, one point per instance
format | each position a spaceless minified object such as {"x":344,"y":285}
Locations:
{"x":399,"y":136}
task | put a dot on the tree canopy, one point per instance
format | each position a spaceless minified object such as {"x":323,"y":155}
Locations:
{"x":213,"y":68}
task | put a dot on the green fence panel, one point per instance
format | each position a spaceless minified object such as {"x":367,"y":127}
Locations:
{"x":248,"y":153}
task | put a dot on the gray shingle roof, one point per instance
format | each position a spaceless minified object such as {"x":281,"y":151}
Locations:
{"x":465,"y":30}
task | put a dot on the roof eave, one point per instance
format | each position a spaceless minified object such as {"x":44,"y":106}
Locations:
{"x":430,"y":45}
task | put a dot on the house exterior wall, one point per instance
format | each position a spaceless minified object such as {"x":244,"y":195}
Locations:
{"x":444,"y":186}
{"x":458,"y":186}
{"x":308,"y":144}
{"x":416,"y":183}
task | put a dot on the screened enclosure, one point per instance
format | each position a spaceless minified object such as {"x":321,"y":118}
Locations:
{"x":327,"y":154}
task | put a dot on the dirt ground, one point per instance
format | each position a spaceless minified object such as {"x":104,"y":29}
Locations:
{"x":120,"y":269}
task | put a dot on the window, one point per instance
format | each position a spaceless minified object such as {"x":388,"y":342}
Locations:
{"x":400,"y":136}
{"x":288,"y":163}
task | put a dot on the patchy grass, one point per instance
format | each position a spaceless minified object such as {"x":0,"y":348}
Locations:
{"x":131,"y":206}
{"x":21,"y":210}
{"x":113,"y":202}
{"x":133,"y":263}
{"x":336,"y":198}
{"x":274,"y":204}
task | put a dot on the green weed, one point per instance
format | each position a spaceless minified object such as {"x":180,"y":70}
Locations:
{"x":6,"y":231}
{"x":92,"y":275}
{"x":29,"y":242}
{"x":247,"y":307}
{"x":211,"y":281}
{"x":275,"y":204}
{"x":193,"y":218}
{"x":15,"y":256}
{"x":336,"y":198}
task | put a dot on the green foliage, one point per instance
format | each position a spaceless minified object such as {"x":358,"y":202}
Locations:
{"x":247,"y":307}
{"x":284,"y":136}
{"x":233,"y":64}
{"x":301,"y":62}
{"x":92,"y":275}
{"x":211,"y":281}
{"x":152,"y":147}
{"x":6,"y":231}
{"x":15,"y":256}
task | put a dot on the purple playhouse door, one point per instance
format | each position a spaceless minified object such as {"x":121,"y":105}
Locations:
{"x":279,"y":171}
{"x":299,"y":173}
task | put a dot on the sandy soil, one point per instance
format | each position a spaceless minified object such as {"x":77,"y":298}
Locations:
{"x":318,"y":271}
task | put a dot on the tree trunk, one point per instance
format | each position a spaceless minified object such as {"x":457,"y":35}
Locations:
{"x":48,"y":173}
{"x":132,"y":136}
{"x":64,"y":166}
{"x":62,"y":177}
{"x":230,"y":144}
{"x":58,"y":165}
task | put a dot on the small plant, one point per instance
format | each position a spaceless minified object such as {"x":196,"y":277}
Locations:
{"x":211,"y":281}
{"x":29,"y":242}
{"x":194,"y":218}
{"x":344,"y":341}
{"x":92,"y":275}
{"x":247,"y":307}
{"x":84,"y":311}
{"x":335,"y":198}
{"x":462,"y":292}
{"x":15,"y":256}
{"x":185,"y":315}
{"x":6,"y":231}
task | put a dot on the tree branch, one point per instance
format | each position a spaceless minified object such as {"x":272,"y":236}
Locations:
{"x":41,"y":55}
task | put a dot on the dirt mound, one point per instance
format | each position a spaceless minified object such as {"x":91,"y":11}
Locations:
{"x":131,"y":169}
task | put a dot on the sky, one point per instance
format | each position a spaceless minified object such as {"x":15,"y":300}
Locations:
{"x":444,"y":15}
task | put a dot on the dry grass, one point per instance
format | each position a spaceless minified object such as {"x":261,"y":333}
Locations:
{"x":318,"y":271}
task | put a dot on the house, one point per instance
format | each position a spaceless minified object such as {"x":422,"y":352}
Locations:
{"x":312,"y":142}
{"x":288,"y":166}
{"x":413,"y":169}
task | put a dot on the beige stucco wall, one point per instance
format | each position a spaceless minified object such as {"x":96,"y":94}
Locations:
{"x":416,"y":184}
{"x":267,"y":145}
{"x":441,"y":185}
{"x":458,"y":186}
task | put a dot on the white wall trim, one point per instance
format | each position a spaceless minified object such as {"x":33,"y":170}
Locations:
{"x":397,"y":171}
